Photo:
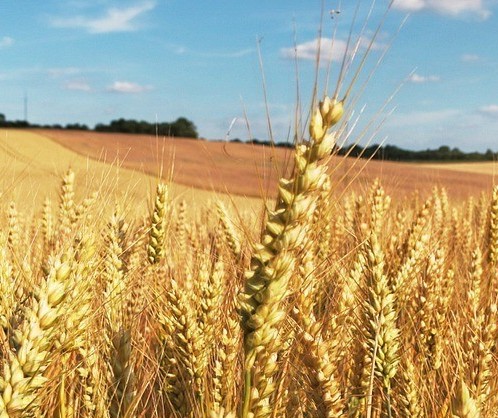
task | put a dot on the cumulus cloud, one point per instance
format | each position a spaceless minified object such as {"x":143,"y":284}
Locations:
{"x":489,"y":110}
{"x":330,"y":49}
{"x":6,"y":41}
{"x":114,"y":20}
{"x":78,"y":85}
{"x":410,"y":5}
{"x":421,"y":79}
{"x":446,"y":7}
{"x":127,"y":87}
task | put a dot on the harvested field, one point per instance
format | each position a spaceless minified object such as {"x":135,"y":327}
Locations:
{"x":252,"y":170}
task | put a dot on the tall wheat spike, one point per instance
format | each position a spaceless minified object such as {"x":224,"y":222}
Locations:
{"x":318,"y":352}
{"x":382,"y":334}
{"x":122,"y":386}
{"x":272,"y":261}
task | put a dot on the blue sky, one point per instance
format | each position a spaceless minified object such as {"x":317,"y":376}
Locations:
{"x":94,"y":61}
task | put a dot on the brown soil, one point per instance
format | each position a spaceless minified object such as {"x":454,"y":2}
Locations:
{"x":252,"y":170}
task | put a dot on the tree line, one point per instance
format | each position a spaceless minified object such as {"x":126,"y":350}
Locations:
{"x":394,"y":153}
{"x":181,"y":127}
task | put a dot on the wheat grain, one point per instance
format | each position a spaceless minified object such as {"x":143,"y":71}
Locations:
{"x":155,"y":246}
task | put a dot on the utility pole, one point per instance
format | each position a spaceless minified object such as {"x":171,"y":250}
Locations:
{"x":25,"y":107}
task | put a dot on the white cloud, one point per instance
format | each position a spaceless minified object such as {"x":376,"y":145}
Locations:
{"x":470,"y":57}
{"x":77,"y":85}
{"x":420,"y":79}
{"x":410,"y":5}
{"x":489,"y":110}
{"x":114,"y":20}
{"x":446,"y":7}
{"x":127,"y":87}
{"x":330,"y":49}
{"x":6,"y":41}
{"x":179,"y":50}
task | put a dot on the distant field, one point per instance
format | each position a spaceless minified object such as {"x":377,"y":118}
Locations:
{"x":490,"y":168}
{"x":33,"y":162}
{"x":237,"y":168}
{"x":252,"y":170}
{"x":32,"y":165}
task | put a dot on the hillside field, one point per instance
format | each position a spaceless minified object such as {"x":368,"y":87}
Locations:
{"x":252,"y":170}
{"x":32,"y":166}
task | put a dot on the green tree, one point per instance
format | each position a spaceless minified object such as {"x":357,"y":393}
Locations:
{"x":182,"y":127}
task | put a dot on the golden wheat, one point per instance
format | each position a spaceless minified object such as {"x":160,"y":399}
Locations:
{"x":338,"y":305}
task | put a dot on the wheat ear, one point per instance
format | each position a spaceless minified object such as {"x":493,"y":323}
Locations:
{"x":272,"y":262}
{"x":30,"y":352}
{"x":67,"y":204}
{"x":493,"y":228}
{"x":462,"y":404}
{"x":382,"y":334}
{"x":155,"y":247}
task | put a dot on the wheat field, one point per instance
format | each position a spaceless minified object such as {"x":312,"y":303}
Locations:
{"x":365,"y":306}
{"x":122,"y":297}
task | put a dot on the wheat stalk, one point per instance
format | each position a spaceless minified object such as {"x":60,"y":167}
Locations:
{"x":272,"y":261}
